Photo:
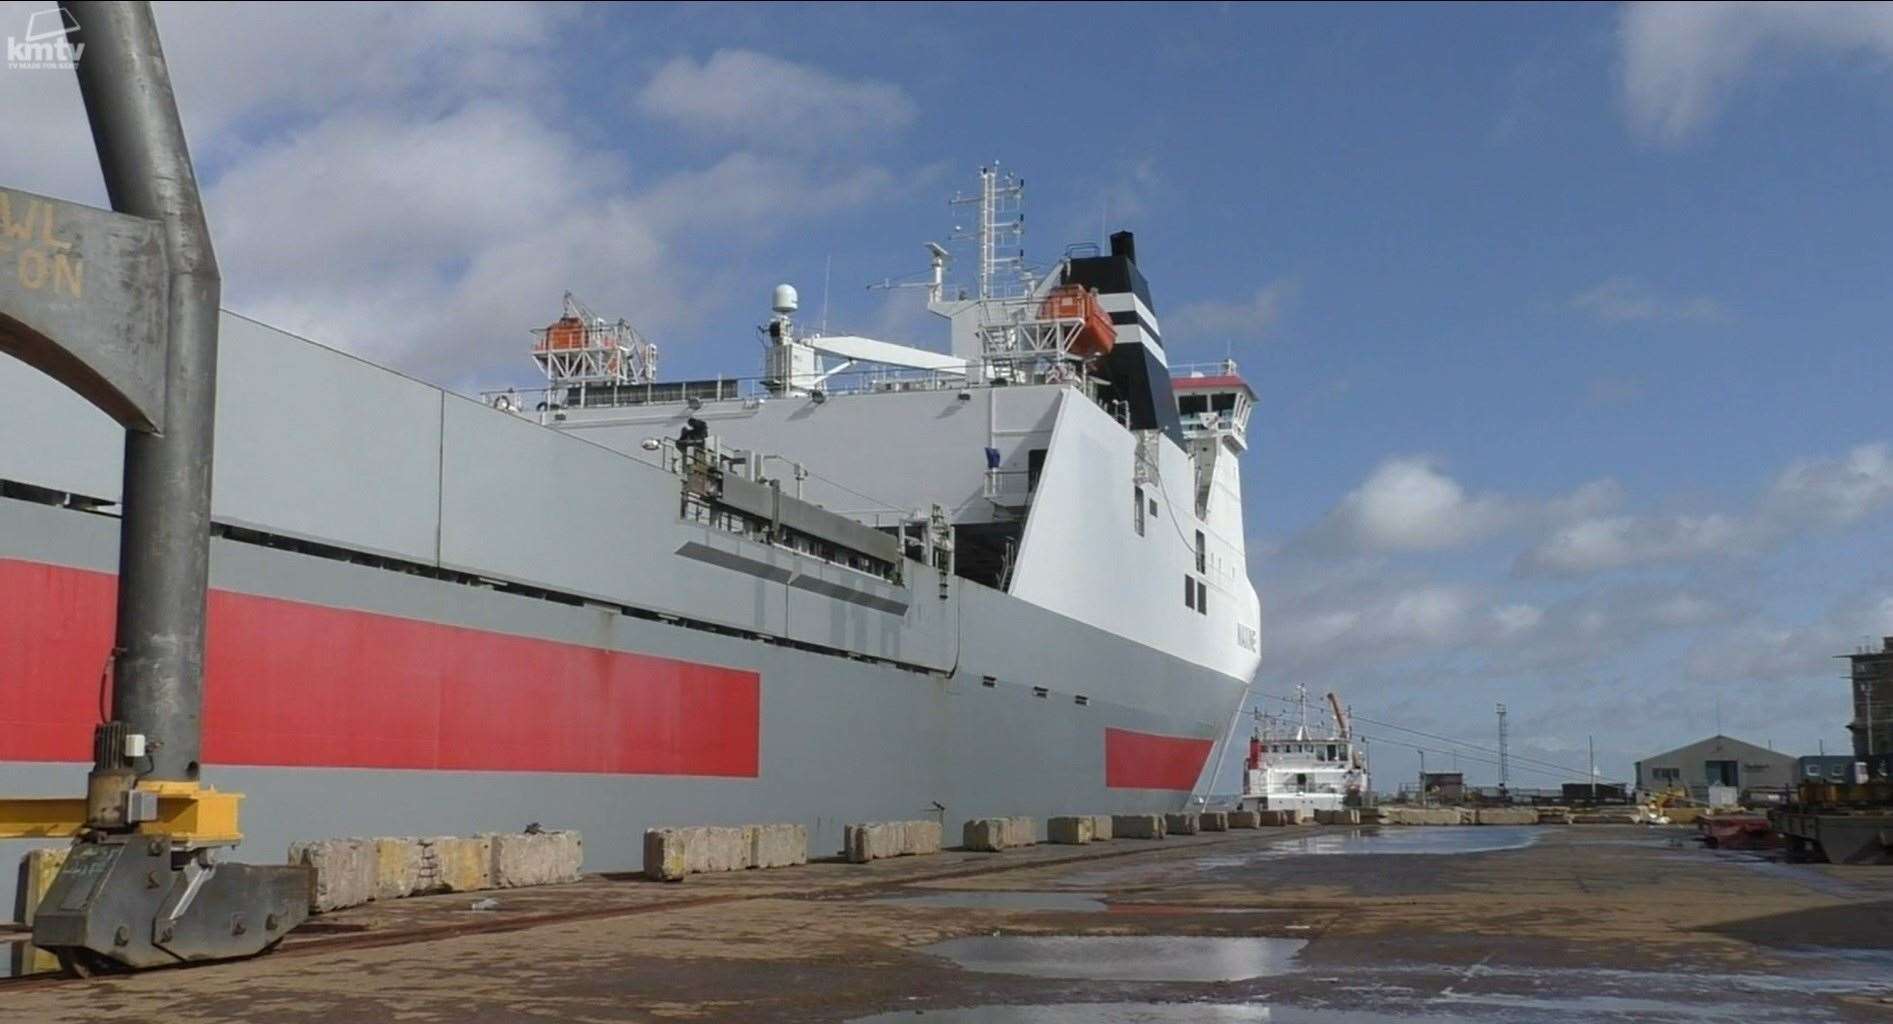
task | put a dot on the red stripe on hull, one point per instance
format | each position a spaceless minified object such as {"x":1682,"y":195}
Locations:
{"x":1142,"y":760}
{"x":288,"y":683}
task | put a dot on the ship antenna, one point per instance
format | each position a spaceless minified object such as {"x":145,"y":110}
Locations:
{"x":1000,"y":230}
{"x":828,"y":270}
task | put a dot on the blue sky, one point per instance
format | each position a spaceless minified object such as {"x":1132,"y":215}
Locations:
{"x":1568,"y":322}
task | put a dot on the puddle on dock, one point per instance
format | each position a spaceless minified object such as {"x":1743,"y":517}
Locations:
{"x":1444,"y":840}
{"x":963,"y":899}
{"x":1189,"y":909}
{"x":1605,"y":994}
{"x":1402,"y":840}
{"x":1145,"y":1013}
{"x":1123,"y":957}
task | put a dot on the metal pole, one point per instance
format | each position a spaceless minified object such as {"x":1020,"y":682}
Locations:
{"x":1504,"y":767}
{"x":1590,"y":743}
{"x":164,"y":541}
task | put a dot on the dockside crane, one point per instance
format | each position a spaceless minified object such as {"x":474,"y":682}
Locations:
{"x":145,"y":882}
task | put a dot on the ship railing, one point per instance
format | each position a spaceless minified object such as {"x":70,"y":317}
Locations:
{"x":549,"y":404}
{"x":1009,"y":487}
{"x":1219,"y":368}
{"x":1312,"y":787}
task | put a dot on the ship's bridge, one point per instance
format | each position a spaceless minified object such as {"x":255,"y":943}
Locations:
{"x":1214,"y":401}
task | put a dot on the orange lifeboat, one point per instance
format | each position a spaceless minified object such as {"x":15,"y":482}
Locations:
{"x":568,"y":332}
{"x":1076,"y":302}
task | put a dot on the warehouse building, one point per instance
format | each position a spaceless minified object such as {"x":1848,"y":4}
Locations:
{"x":1717,"y":761}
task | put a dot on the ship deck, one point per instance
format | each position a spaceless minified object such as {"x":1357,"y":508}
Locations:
{"x":1571,"y":923}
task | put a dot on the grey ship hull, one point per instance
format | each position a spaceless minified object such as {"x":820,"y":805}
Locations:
{"x":968,"y":703}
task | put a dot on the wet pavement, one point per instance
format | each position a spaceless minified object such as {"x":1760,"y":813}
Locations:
{"x":1319,"y":926}
{"x":1122,"y":957}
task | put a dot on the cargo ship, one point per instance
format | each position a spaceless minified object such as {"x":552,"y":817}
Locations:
{"x":871,"y":581}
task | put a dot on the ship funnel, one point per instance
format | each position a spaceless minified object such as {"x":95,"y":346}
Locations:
{"x":786,"y":301}
{"x":1124,"y":244}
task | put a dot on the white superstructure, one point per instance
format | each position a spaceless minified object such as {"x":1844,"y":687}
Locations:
{"x":1075,"y":468}
{"x":1293,"y":766}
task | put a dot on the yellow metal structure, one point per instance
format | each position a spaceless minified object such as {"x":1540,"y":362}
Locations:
{"x":192,"y":815}
{"x":42,"y":866}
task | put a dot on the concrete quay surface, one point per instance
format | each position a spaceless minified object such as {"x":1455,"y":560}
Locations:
{"x":1311,"y":924}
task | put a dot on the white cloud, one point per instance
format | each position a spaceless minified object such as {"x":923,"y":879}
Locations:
{"x":1833,"y":491}
{"x":1201,"y":323}
{"x":1623,"y":300}
{"x":1810,"y":494}
{"x":770,"y":103}
{"x":245,"y":71}
{"x":1613,"y":542}
{"x":1410,"y":504}
{"x":1325,"y":620}
{"x":405,"y":182}
{"x":1316,"y":622}
{"x":1777,"y":653}
{"x":1681,"y":62}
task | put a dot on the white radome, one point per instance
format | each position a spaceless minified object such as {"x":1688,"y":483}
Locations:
{"x":786,"y":301}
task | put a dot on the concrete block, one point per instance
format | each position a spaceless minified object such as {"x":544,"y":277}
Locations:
{"x":715,"y":848}
{"x":342,"y":871}
{"x":1338,"y":816}
{"x":398,"y":867}
{"x":460,"y":863}
{"x":1423,"y":815}
{"x":1505,"y":816}
{"x":1022,"y":831}
{"x":881,"y":839}
{"x":1101,"y":828}
{"x":1213,"y":821}
{"x":993,"y":834}
{"x":1181,"y":824}
{"x":1070,"y":831}
{"x":542,"y":858}
{"x":1137,"y":826}
{"x":664,"y":854}
{"x":922,"y":837}
{"x":1245,"y":819}
{"x":1275,"y":818}
{"x":777,"y":846}
{"x":42,"y":866}
{"x":987,"y":835}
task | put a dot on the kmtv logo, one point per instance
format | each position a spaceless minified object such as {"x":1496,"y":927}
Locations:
{"x":45,"y":46}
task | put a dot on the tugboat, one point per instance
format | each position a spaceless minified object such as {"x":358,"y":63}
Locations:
{"x":1297,"y":769}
